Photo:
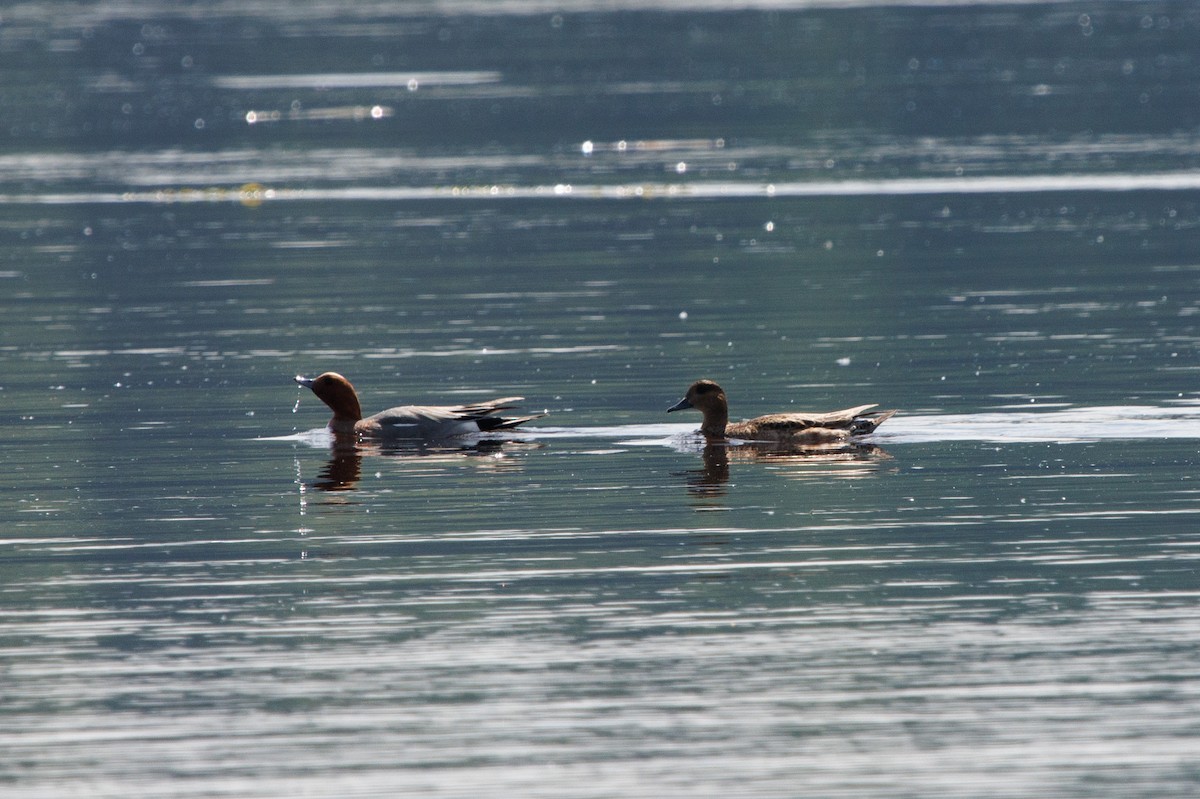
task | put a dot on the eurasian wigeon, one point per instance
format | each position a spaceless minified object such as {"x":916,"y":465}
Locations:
{"x":797,"y":428}
{"x":427,"y":422}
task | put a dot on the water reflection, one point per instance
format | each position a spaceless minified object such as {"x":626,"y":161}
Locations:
{"x":343,"y":471}
{"x":838,"y":461}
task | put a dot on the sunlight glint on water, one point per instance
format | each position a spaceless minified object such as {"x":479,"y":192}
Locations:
{"x":984,"y":215}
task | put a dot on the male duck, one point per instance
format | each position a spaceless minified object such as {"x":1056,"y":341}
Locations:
{"x":792,"y":428}
{"x":428,"y":422}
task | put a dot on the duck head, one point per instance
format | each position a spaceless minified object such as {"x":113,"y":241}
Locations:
{"x":336,"y":392}
{"x":708,"y":398}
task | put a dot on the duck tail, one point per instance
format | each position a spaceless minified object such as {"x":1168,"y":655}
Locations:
{"x":490,"y":423}
{"x":867,"y":422}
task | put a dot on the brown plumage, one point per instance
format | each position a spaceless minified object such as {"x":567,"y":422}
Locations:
{"x":428,"y":422}
{"x":810,"y":428}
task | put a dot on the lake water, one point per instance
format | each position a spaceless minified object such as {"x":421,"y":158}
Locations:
{"x":985,"y":216}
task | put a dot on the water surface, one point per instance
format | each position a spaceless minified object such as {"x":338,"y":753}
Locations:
{"x":983,"y":215}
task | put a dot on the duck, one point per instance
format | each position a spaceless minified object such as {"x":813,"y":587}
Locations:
{"x":422,"y":422}
{"x":835,"y":427}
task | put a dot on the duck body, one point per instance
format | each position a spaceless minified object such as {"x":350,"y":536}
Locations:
{"x":834,"y":427}
{"x":422,"y":422}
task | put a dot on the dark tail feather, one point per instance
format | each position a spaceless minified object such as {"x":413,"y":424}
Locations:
{"x":489,"y":423}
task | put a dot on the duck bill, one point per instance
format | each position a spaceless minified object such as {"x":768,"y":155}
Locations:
{"x":307,"y":382}
{"x":683,"y":404}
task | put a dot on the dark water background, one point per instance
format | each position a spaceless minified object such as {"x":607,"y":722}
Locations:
{"x":983,"y":215}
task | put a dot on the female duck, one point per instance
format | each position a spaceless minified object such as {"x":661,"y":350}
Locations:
{"x":428,"y":422}
{"x":790,"y":428}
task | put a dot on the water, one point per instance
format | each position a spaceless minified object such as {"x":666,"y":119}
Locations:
{"x":983,"y":215}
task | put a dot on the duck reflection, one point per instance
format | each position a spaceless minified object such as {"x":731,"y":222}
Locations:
{"x":710,"y":481}
{"x":840,"y":461}
{"x":341,"y":473}
{"x":343,"y":470}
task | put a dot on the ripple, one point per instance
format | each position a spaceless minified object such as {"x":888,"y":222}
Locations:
{"x":1061,"y":425}
{"x":355,"y":80}
{"x":1163,"y":181}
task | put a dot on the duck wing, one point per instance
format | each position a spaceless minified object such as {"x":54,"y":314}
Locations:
{"x":418,"y":421}
{"x":833,"y":419}
{"x":485,"y":408}
{"x":442,"y":421}
{"x":850,"y":421}
{"x":801,"y":420}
